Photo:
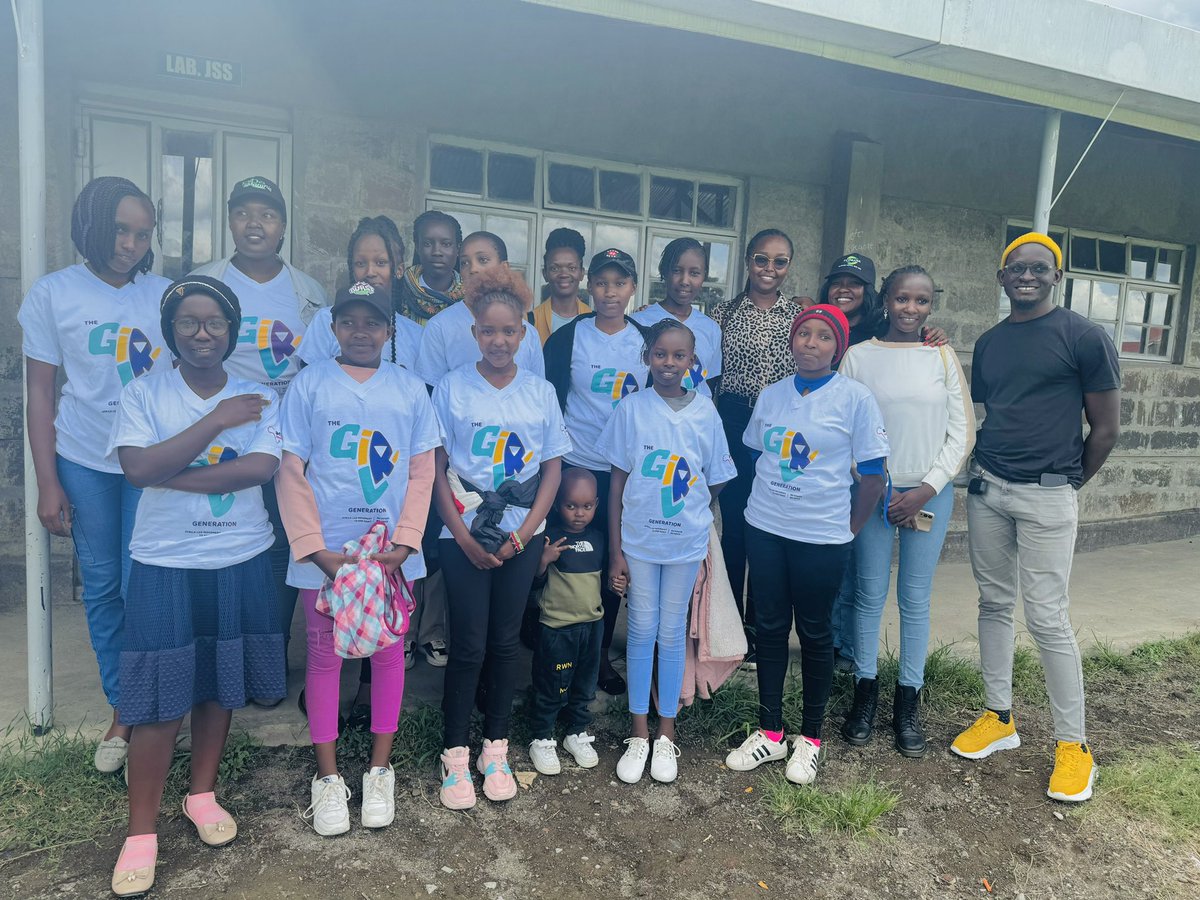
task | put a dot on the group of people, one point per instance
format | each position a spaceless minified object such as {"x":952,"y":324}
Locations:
{"x":496,"y":470}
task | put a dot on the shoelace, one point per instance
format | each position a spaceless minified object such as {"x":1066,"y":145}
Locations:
{"x":331,"y":791}
{"x":1072,"y":762}
{"x":675,"y":751}
{"x":375,"y":790}
{"x":640,"y":749}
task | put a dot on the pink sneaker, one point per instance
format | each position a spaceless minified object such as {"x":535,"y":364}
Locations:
{"x":498,"y":781}
{"x":458,"y":791}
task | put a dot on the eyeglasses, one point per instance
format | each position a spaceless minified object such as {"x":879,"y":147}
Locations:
{"x":1016,"y":270}
{"x":188,"y":326}
{"x":762,"y":261}
{"x":558,"y":269}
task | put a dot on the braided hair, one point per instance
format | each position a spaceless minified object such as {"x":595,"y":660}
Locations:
{"x":758,"y":239}
{"x":886,"y":287}
{"x":429,"y":217}
{"x":674,"y":250}
{"x":94,"y":220}
{"x":385,"y":229}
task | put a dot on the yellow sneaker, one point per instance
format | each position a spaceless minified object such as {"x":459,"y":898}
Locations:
{"x":986,"y":736}
{"x":1074,"y":773}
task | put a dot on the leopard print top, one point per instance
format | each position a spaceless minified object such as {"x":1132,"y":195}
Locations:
{"x":754,"y":344}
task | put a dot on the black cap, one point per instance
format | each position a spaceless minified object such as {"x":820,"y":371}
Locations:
{"x":613,"y":257}
{"x":861,"y":267}
{"x":210,"y":287}
{"x":256,"y":187}
{"x":362,"y":292}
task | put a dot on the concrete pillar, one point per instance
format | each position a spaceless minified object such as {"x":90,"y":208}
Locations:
{"x":853,"y":198}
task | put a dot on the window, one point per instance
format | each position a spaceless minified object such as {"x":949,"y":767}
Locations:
{"x":1130,"y":287}
{"x":485,"y":172}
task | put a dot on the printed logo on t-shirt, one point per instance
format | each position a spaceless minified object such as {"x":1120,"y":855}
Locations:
{"x":794,"y":452}
{"x":372,"y":454}
{"x":694,"y":377}
{"x":675,"y":474}
{"x":133,"y":351}
{"x":505,"y":449}
{"x":220,"y":504}
{"x":613,"y":384}
{"x":276,"y":343}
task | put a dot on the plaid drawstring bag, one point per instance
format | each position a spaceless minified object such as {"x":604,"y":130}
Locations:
{"x":369,"y":608}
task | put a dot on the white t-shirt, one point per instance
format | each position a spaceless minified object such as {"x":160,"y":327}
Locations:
{"x":672,"y":458}
{"x":271,"y":330}
{"x":320,"y":343}
{"x":604,"y":368}
{"x":448,"y":344}
{"x":180,"y":529}
{"x":802,"y":480}
{"x":358,"y":441}
{"x":492,"y":435}
{"x":104,"y":338}
{"x":708,"y":345}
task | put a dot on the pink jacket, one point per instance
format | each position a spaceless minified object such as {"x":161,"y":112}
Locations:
{"x":716,"y":643}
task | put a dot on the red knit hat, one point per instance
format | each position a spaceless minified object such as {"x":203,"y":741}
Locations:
{"x":831,"y":316}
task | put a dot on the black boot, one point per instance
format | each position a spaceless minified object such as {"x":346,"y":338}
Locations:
{"x":906,"y":721}
{"x":860,"y":721}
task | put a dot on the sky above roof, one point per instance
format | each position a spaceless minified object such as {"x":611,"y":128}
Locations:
{"x":1176,"y":12}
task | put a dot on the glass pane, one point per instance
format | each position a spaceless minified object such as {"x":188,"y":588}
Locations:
{"x":1012,"y":232}
{"x":510,"y":177}
{"x":515,"y":234}
{"x":1112,"y":257}
{"x":714,"y":205}
{"x":623,"y":237}
{"x":1157,"y":341}
{"x":121,"y":148}
{"x":1170,"y":266}
{"x":187,"y":202}
{"x":671,"y":198}
{"x":1135,"y":305}
{"x":1076,"y":295}
{"x":621,"y":192}
{"x":658,"y":243}
{"x":1141,"y":261}
{"x":467,"y":221}
{"x":1083,"y":253}
{"x":250,"y":154}
{"x":458,"y":169}
{"x":1131,"y":339}
{"x":1161,"y":306}
{"x":1105,"y":295}
{"x":572,"y":185}
{"x":719,"y":254}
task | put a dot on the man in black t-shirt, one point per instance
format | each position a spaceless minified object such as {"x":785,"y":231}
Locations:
{"x":1035,"y":373}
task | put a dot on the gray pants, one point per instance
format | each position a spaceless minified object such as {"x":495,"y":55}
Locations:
{"x":1022,"y":540}
{"x":429,"y":618}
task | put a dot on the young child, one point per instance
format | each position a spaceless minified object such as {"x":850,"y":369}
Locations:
{"x":359,"y":435}
{"x":201,"y":624}
{"x":495,"y":481}
{"x":593,"y":362}
{"x":375,"y":255}
{"x":98,"y":321}
{"x":562,"y":267}
{"x":683,"y":268}
{"x":669,"y":459}
{"x":567,"y":655}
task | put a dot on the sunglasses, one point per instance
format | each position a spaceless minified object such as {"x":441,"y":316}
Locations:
{"x":1016,"y":270}
{"x":762,"y":261}
{"x":187,"y":326}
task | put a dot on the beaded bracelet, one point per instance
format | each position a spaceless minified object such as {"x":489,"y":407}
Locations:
{"x":517,"y":544}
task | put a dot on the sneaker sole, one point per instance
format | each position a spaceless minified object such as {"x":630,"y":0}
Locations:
{"x":457,"y":805}
{"x":436,"y":662}
{"x":738,"y":767}
{"x":663,"y":780}
{"x":1085,"y":794}
{"x":1009,"y":742}
{"x":384,"y":824}
{"x":589,"y":763}
{"x":340,"y":829}
{"x":495,"y":798}
{"x":557,"y":770}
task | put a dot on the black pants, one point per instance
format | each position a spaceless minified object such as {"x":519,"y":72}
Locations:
{"x":565,"y":667}
{"x":484,"y":608}
{"x":609,"y":599}
{"x":735,"y":415}
{"x":797,"y":582}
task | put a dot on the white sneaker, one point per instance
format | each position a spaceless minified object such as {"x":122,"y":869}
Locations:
{"x":755,"y":750}
{"x":663,"y":767}
{"x":378,"y":797}
{"x":111,"y":755}
{"x":436,"y":654}
{"x":632,"y":763}
{"x":329,"y":813}
{"x":544,"y":756}
{"x":802,"y":767}
{"x":580,"y":747}
{"x":410,"y":654}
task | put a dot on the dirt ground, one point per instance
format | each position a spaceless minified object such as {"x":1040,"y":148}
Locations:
{"x":584,"y":834}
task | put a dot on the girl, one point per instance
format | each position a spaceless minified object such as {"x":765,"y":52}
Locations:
{"x":562,"y":267}
{"x":447,"y":342}
{"x":202,"y":628}
{"x":754,"y":353}
{"x":931,"y":429}
{"x":807,"y":430}
{"x":99,"y":322}
{"x":669,"y":458}
{"x":358,"y":448}
{"x":375,"y":255}
{"x":495,"y":479}
{"x":594,"y":361}
{"x":683,"y":268}
{"x":431,"y":283}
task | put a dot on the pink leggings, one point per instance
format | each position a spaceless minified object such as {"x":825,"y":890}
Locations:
{"x":322,"y":679}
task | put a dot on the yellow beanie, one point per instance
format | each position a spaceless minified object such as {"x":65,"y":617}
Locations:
{"x":1034,"y":237}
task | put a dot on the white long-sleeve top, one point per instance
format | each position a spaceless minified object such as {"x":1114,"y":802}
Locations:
{"x":926,"y":408}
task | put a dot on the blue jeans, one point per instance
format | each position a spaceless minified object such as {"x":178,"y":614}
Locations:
{"x":919,"y":554}
{"x":658,"y":604}
{"x":103,"y":505}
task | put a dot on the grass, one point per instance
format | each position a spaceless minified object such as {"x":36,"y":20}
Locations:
{"x":852,"y":810}
{"x":1160,"y":786}
{"x":1104,"y":662}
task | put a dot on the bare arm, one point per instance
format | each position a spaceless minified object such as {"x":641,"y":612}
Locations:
{"x":54,"y":509}
{"x":226,"y":477}
{"x":1103,"y":411}
{"x":618,"y":569}
{"x":443,"y":496}
{"x":864,"y":501}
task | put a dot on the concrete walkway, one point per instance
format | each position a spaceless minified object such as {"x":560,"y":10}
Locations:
{"x":1121,"y":595}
